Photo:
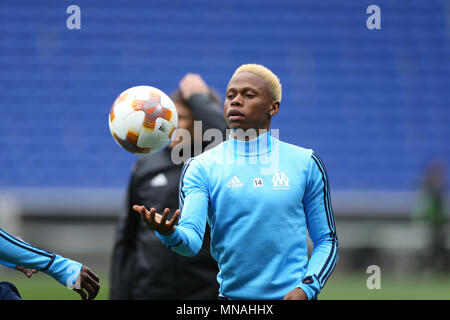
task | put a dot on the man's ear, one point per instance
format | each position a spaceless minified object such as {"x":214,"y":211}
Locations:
{"x":274,"y":108}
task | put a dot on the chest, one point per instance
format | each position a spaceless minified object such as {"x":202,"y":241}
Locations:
{"x":251,"y":187}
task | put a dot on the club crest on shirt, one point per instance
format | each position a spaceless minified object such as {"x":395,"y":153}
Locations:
{"x":280,"y":180}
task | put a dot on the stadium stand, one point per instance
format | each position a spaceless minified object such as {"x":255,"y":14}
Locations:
{"x":374,"y":104}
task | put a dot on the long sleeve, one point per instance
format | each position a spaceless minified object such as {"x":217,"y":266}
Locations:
{"x":321,"y":228}
{"x":16,"y":251}
{"x":194,"y":198}
{"x":7,"y":264}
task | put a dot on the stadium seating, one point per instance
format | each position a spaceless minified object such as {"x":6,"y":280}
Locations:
{"x":374,"y":104}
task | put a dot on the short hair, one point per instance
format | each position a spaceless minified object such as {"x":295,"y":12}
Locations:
{"x":266,"y":74}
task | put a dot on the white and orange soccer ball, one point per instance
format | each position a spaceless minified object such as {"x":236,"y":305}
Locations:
{"x":143,"y":119}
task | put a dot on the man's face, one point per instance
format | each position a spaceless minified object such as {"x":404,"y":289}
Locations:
{"x":249,"y":103}
{"x":185,"y":121}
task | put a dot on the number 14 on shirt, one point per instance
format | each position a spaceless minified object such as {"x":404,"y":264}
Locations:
{"x":258,"y":182}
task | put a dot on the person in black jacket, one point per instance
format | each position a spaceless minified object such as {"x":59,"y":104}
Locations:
{"x":142,"y":267}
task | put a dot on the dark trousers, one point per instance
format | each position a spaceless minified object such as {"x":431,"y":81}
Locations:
{"x":8,"y":291}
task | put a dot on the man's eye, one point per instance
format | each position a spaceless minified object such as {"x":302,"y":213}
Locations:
{"x":229,"y":96}
{"x":250,"y":95}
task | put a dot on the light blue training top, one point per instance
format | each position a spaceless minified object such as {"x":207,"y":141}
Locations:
{"x":261,"y":198}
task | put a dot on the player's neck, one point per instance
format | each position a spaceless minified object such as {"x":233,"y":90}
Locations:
{"x":251,"y":147}
{"x":248,"y":134}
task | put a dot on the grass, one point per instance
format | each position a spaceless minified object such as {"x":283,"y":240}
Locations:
{"x":338,"y":287}
{"x":411,"y":287}
{"x":43,"y":287}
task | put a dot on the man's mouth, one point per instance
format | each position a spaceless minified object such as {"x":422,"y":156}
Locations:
{"x":234,"y":115}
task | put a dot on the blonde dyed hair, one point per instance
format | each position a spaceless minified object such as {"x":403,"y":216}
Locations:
{"x":266,"y":74}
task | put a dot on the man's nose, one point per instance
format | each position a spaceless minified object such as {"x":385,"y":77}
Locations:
{"x":237,"y":101}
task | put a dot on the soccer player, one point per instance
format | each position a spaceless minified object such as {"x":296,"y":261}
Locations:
{"x":16,"y":252}
{"x":260,"y":197}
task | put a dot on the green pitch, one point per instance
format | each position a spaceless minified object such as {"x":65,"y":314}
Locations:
{"x":339,"y":287}
{"x":42,"y":287}
{"x":411,"y":287}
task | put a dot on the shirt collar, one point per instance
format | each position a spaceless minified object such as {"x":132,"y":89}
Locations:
{"x":260,"y":145}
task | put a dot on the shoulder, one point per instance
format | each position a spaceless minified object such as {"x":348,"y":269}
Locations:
{"x":204,"y":163}
{"x":214,"y":154}
{"x":295,"y":152}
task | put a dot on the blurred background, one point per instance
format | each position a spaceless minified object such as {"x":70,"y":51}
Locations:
{"x":374,"y":104}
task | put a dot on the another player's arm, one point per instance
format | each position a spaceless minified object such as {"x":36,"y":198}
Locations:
{"x":186,"y":237}
{"x":8,"y":264}
{"x":26,"y":271}
{"x":321,"y":229}
{"x":69,"y":273}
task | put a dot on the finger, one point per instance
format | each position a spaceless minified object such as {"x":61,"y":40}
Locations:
{"x":175,"y":218}
{"x":25,"y":271}
{"x":90,"y":291}
{"x":164,"y":216}
{"x":143,"y":212}
{"x":152,"y":220}
{"x":81,"y":293}
{"x":186,"y":77}
{"x":92,"y":274}
{"x":139,"y":209}
{"x":147,"y":217}
{"x":94,"y":284}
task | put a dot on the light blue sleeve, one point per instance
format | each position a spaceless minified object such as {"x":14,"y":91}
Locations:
{"x":321,"y":228}
{"x":194,"y":199}
{"x":7,"y":264}
{"x":15,"y":251}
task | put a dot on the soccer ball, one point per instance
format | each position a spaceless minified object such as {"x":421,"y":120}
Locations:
{"x":142,"y":119}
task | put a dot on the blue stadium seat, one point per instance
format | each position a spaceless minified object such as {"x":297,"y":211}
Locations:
{"x":373,"y":104}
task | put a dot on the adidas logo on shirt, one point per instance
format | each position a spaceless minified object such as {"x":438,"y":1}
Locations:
{"x":234,"y":183}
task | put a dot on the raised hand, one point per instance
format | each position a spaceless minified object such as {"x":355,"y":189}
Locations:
{"x":158,"y":222}
{"x":192,"y":83}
